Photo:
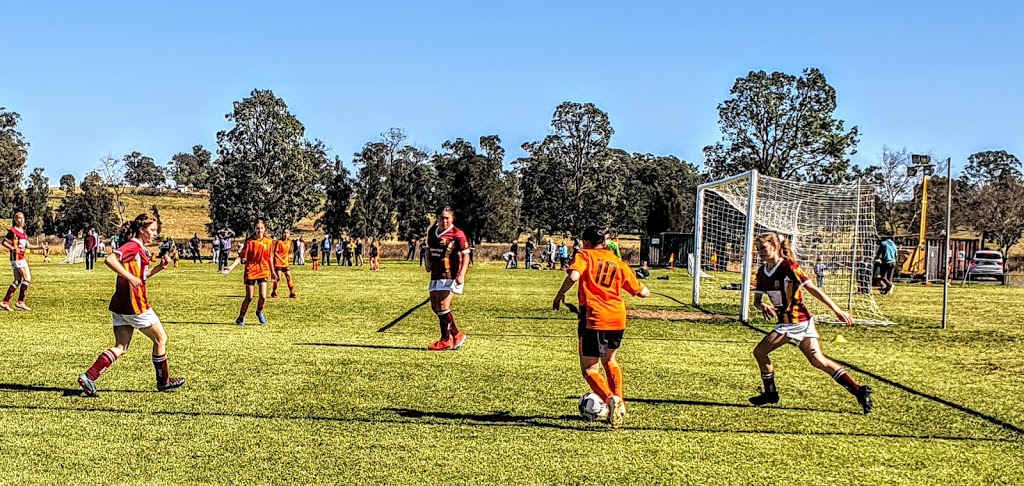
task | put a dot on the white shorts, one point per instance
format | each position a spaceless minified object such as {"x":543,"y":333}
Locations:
{"x":137,"y":321}
{"x":16,"y":264}
{"x":446,"y":284}
{"x":798,"y":331}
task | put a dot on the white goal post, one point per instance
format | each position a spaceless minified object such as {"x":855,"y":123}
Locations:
{"x":831,"y":227}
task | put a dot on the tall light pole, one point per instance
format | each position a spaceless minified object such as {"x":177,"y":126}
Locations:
{"x":922,"y":164}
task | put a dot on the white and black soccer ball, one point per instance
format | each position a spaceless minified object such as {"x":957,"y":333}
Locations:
{"x":591,"y":407}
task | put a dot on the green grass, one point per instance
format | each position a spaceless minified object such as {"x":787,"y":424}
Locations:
{"x":319,"y":396}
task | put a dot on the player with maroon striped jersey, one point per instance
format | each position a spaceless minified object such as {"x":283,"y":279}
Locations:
{"x":447,"y":263}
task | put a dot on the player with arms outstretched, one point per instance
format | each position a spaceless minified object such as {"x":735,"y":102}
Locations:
{"x":282,"y":253}
{"x":16,"y":242}
{"x":782,"y":280}
{"x":447,"y":263}
{"x":257,"y":255}
{"x":129,"y":305}
{"x":602,"y":278}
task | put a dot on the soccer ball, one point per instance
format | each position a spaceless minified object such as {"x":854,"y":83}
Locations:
{"x":592,"y":407}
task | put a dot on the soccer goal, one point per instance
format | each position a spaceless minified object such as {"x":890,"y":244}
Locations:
{"x":832,"y":229}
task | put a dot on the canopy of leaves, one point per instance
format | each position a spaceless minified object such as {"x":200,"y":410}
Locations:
{"x":991,"y":166}
{"x":33,"y":202}
{"x":191,"y":169}
{"x":782,"y":126}
{"x":265,"y":168}
{"x":92,"y":207}
{"x":67,"y":183}
{"x":141,"y":170}
{"x":485,"y":198}
{"x":13,"y":156}
{"x":336,"y":218}
{"x":393,"y":189}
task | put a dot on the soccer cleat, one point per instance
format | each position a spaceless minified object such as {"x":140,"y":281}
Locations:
{"x":616,"y":412}
{"x":441,"y":345}
{"x":273,"y":295}
{"x":764,"y":398}
{"x":88,"y":386}
{"x":171,"y":384}
{"x":22,"y":306}
{"x":239,"y":321}
{"x":458,"y":341}
{"x":5,"y":306}
{"x":293,"y":296}
{"x":864,"y":399}
{"x":261,"y":318}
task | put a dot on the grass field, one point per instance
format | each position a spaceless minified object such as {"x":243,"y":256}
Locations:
{"x":320,"y":395}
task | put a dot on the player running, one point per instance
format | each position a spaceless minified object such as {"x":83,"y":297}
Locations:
{"x":256,"y":254}
{"x":130,"y":305}
{"x":782,"y":280}
{"x":602,"y":316}
{"x":282,"y":253}
{"x":16,"y":242}
{"x":447,"y":264}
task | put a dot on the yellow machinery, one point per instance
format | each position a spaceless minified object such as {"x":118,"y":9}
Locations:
{"x":914,"y":258}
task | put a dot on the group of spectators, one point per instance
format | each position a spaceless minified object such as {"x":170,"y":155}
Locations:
{"x":551,"y":255}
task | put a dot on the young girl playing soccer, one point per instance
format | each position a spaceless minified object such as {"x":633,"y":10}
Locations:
{"x":282,"y":252}
{"x":130,"y":305}
{"x":256,"y":254}
{"x":602,"y":316}
{"x":16,"y":241}
{"x":782,"y":280}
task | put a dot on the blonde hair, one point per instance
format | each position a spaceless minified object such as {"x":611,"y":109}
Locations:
{"x":785,"y":246}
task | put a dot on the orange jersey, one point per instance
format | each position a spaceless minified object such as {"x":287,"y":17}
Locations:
{"x":603,"y":277}
{"x":257,"y":257}
{"x":282,"y":253}
{"x":128,"y":300}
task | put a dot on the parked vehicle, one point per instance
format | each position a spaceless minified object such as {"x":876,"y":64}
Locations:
{"x":988,"y":264}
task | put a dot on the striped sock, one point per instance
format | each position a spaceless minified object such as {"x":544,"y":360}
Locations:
{"x":769,"y":382}
{"x":846,"y":381}
{"x":103,"y":362}
{"x":160,"y":363}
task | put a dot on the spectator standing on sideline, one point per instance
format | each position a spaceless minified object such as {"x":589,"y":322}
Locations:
{"x":530,"y":248}
{"x":350,"y":250}
{"x":552,"y":253}
{"x":423,"y":251}
{"x":90,"y":249}
{"x":69,"y":239}
{"x":339,"y":251}
{"x":325,"y":245}
{"x":411,"y":254}
{"x":886,"y":254}
{"x":514,"y":249}
{"x":819,"y":274}
{"x":563,"y":255}
{"x":215,"y":250}
{"x":314,"y":254}
{"x":193,"y":245}
{"x":359,"y":252}
{"x":300,"y":251}
{"x":115,"y":241}
{"x":225,"y":248}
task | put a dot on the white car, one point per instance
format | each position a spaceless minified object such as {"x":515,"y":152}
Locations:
{"x":988,"y":263}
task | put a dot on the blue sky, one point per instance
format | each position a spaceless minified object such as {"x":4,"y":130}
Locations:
{"x":92,"y":78}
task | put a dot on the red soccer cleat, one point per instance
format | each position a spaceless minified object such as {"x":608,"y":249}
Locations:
{"x":458,"y":341}
{"x":441,"y":345}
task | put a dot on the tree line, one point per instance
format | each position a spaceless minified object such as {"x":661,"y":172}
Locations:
{"x":783,"y":125}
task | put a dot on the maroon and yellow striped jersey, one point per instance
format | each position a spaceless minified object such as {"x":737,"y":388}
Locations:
{"x":19,"y":240}
{"x":782,"y":285}
{"x":130,"y":300}
{"x":447,"y":249}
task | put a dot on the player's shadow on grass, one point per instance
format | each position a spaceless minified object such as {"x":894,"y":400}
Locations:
{"x":67,"y":392}
{"x":366,"y":346}
{"x":492,"y":419}
{"x":201,"y":323}
{"x":694,"y":403}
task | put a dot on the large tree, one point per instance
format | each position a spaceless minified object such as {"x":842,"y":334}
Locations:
{"x":997,"y":211}
{"x":660,"y":194}
{"x":393,"y":188}
{"x":265,"y":167}
{"x":13,"y":156}
{"x":991,"y":166}
{"x":569,"y":178}
{"x":893,"y":187}
{"x":191,"y":169}
{"x":484,"y":196}
{"x":783,"y":126}
{"x":33,"y":203}
{"x":337,"y":216}
{"x":92,"y":207}
{"x":141,"y":170}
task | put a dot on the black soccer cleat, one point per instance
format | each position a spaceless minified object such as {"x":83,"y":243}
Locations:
{"x":864,"y":399}
{"x":765,"y":398}
{"x":171,"y":384}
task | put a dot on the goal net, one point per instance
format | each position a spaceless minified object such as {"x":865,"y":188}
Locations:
{"x":832,"y":230}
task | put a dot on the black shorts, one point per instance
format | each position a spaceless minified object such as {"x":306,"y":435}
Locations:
{"x":885,"y":270}
{"x":255,"y":281}
{"x":594,"y":343}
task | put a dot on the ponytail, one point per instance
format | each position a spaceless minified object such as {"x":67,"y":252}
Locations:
{"x":784,"y":245}
{"x":132,"y":228}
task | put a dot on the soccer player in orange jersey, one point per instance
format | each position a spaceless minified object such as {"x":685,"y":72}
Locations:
{"x":782,"y":280}
{"x":282,"y":254}
{"x":257,"y":255}
{"x":447,"y":264}
{"x":602,"y":278}
{"x":16,"y":242}
{"x":130,"y":305}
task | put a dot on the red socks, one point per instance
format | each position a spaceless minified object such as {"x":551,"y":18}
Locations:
{"x":103,"y":362}
{"x":160,"y":363}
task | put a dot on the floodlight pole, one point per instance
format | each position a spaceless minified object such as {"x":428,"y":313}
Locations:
{"x":923,"y":164}
{"x":748,"y":255}
{"x":949,"y":251}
